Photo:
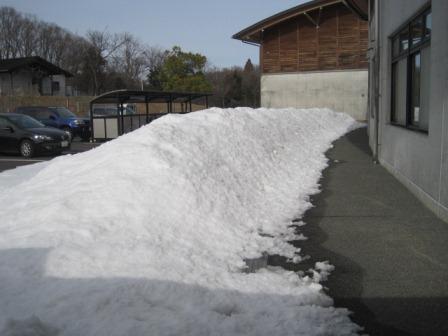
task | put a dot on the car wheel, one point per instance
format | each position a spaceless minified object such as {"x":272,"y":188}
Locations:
{"x":27,"y":148}
{"x":69,"y":131}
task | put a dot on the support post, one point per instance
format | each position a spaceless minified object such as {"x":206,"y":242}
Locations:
{"x":122,"y":118}
{"x":92,"y":137}
{"x":147,"y":110}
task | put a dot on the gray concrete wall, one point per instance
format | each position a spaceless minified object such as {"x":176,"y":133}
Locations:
{"x":21,"y":82}
{"x":342,"y":91}
{"x":23,"y":86}
{"x":46,"y":86}
{"x":61,"y":80}
{"x":5,"y":84}
{"x":419,"y":160}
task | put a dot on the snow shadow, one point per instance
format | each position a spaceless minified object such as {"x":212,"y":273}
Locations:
{"x":36,"y":304}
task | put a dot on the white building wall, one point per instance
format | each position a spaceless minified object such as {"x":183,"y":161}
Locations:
{"x":417,"y":159}
{"x":341,"y":91}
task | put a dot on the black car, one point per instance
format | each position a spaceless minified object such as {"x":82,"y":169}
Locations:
{"x":22,"y":134}
{"x":59,"y":117}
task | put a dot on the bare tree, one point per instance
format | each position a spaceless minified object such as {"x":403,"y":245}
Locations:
{"x":129,"y":61}
{"x":235,"y":86}
{"x":10,"y":21}
{"x":154,"y":60}
{"x":28,"y":37}
{"x":100,"y":47}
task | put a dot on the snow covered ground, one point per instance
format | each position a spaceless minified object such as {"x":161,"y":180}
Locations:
{"x":147,"y":234}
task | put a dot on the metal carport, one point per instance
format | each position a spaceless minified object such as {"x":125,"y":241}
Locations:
{"x":108,"y":127}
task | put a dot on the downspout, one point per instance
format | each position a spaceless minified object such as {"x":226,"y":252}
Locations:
{"x":377,"y":80}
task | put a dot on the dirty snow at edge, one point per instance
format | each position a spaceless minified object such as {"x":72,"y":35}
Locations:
{"x":147,"y":234}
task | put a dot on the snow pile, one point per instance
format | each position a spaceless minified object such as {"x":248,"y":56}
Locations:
{"x":147,"y":234}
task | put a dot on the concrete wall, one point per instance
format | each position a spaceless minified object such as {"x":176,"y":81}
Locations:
{"x":419,"y":160}
{"x":62,"y":86}
{"x":22,"y":84}
{"x":46,"y":86}
{"x":342,"y":91}
{"x":5,"y":84}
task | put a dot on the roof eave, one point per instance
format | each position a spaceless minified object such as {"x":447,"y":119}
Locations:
{"x":245,"y":34}
{"x":50,"y":68}
{"x":359,"y":7}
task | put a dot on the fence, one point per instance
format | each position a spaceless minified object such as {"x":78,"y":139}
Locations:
{"x":77,"y":104}
{"x":80,"y":105}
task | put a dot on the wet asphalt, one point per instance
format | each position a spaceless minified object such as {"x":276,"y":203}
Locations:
{"x":389,"y":250}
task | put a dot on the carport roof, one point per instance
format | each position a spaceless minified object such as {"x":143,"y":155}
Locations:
{"x":134,"y":96}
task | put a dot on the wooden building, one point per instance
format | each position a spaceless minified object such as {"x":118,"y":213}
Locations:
{"x":313,"y":55}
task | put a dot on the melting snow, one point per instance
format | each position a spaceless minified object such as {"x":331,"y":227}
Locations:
{"x":147,"y":234}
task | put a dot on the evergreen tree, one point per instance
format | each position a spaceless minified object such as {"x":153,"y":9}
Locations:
{"x":183,"y":71}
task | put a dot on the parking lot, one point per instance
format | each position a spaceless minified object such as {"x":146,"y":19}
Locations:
{"x":8,"y":161}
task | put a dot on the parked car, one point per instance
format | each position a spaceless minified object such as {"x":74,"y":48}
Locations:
{"x":22,"y":134}
{"x":59,"y":117}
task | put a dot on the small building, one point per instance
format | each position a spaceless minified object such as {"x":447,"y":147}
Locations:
{"x":313,"y":55}
{"x":32,"y":76}
{"x":408,"y":105}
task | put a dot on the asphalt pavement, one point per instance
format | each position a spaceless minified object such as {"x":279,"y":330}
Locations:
{"x":389,"y":250}
{"x":8,"y":161}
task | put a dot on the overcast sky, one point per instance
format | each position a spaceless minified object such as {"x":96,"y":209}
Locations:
{"x":203,"y":26}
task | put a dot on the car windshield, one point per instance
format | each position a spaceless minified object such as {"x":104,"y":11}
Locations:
{"x":63,"y":112}
{"x":24,"y":121}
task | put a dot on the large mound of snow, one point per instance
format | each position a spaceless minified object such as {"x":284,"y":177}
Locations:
{"x":147,"y":234}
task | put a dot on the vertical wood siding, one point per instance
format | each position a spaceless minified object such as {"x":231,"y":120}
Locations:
{"x":297,"y":45}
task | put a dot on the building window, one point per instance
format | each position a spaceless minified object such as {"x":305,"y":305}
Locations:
{"x":410,"y":72}
{"x":55,"y":86}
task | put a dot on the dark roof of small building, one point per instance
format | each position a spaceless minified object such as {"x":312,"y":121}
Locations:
{"x":14,"y":64}
{"x":134,"y":96}
{"x":252,"y":33}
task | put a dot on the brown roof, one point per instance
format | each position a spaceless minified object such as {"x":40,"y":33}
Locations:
{"x":13,"y":64}
{"x":252,"y":33}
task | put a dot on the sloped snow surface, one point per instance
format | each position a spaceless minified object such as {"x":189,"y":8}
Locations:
{"x":147,"y":234}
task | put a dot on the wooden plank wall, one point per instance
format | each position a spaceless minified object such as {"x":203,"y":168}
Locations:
{"x":297,"y":45}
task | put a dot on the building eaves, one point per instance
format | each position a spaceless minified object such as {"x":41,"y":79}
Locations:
{"x":14,"y":64}
{"x":252,"y":33}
